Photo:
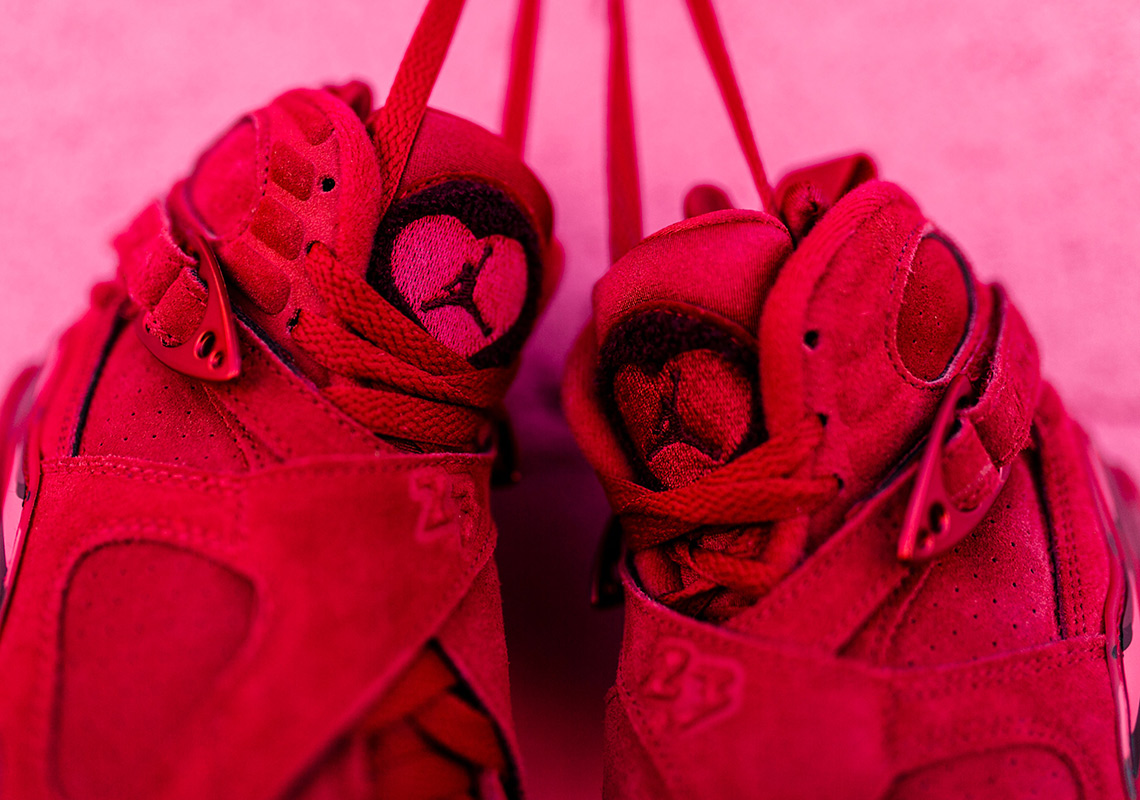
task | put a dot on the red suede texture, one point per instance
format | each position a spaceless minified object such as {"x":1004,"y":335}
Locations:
{"x":324,"y":585}
{"x":1019,"y":773}
{"x":227,"y":183}
{"x":705,"y":702}
{"x":223,"y":582}
{"x":143,"y":410}
{"x":138,"y":657}
{"x":299,"y":171}
{"x":979,"y":673}
{"x":934,"y":313}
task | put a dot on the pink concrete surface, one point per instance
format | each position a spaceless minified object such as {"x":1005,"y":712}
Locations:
{"x":1014,"y":123}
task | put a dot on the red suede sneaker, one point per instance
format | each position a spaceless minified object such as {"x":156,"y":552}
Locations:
{"x":865,"y":552}
{"x":247,"y":532}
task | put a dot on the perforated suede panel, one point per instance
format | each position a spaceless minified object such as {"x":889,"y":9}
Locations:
{"x":1023,"y":773}
{"x":143,"y":409}
{"x":992,"y":594}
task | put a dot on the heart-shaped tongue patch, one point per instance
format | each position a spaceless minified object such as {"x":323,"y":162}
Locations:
{"x":685,"y":393}
{"x":462,"y":260}
{"x":467,"y":292}
{"x":687,"y":419}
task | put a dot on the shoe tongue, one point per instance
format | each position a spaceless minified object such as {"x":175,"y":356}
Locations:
{"x":459,"y":251}
{"x":678,"y":369}
{"x":864,"y":327}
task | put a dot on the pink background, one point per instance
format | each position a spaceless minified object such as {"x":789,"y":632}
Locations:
{"x":1014,"y":123}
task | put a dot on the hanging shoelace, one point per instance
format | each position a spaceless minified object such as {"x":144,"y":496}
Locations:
{"x":715,"y":529}
{"x":428,"y":737}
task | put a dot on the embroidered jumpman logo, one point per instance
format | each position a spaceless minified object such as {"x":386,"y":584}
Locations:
{"x":461,"y":292}
{"x":670,"y":427}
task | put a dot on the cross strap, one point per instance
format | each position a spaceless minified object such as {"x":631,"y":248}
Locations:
{"x":785,"y":716}
{"x":860,"y":561}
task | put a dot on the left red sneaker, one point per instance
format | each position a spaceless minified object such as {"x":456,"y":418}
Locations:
{"x":248,"y":537}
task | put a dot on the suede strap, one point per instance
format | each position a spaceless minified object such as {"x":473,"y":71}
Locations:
{"x":303,"y":675}
{"x":831,"y":727}
{"x":859,"y":561}
{"x":161,"y":278}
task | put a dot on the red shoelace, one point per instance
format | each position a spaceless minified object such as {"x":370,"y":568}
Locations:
{"x":718,"y":527}
{"x":406,"y":384}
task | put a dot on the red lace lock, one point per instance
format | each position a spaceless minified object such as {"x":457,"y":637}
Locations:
{"x":933,"y":524}
{"x":212,"y":352}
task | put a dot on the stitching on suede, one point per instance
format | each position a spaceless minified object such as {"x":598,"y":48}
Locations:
{"x":842,"y":626}
{"x":1064,"y":490}
{"x":651,"y":739}
{"x":266,"y":432}
{"x":979,"y":739}
{"x":846,"y":626}
{"x":1058,"y":656}
{"x":240,"y":432}
{"x":1080,"y":763}
{"x":1057,"y":492}
{"x":380,"y":466}
{"x":925,"y":687}
{"x":326,"y":410}
{"x":890,"y":343}
{"x":261,"y":136}
{"x":51,"y":629}
{"x":432,"y":622}
{"x":109,"y":465}
{"x":890,"y":630}
{"x":879,"y":634}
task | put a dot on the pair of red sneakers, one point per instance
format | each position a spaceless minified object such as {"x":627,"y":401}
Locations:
{"x":863,"y":549}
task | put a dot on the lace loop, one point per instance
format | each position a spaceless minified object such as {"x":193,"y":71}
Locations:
{"x":719,"y":527}
{"x":406,"y":384}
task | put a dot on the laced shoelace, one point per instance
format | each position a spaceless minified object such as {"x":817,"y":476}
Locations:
{"x":406,"y":385}
{"x":717,"y":526}
{"x":427,"y":739}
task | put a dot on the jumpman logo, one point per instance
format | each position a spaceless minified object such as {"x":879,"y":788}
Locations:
{"x":670,"y":427}
{"x":461,"y":292}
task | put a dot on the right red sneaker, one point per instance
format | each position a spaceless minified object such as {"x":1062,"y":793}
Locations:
{"x":865,"y":552}
{"x":247,"y":531}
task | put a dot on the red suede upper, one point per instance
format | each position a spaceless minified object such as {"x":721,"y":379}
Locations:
{"x":271,"y":586}
{"x":984,"y":671}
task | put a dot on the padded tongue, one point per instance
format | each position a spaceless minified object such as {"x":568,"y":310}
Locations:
{"x":678,"y":369}
{"x":461,"y":251}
